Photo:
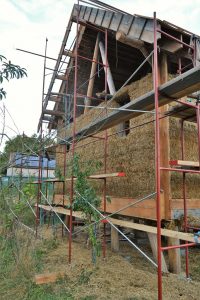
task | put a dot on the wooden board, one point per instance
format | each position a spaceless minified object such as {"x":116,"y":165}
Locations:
{"x":184,"y":163}
{"x":145,"y":209}
{"x":153,"y":242}
{"x":165,"y":232}
{"x":191,"y":204}
{"x":102,"y":176}
{"x":48,"y":277}
{"x":97,"y":176}
{"x":53,"y":180}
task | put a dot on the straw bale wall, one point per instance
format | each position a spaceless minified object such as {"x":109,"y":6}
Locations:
{"x":134,"y":153}
{"x":191,"y":154}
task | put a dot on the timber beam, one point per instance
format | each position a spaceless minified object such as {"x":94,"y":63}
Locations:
{"x":121,"y":37}
{"x":53,"y":113}
{"x":189,"y":237}
{"x":68,"y":53}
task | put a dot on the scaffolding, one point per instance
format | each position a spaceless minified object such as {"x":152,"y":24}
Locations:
{"x":163,"y":93}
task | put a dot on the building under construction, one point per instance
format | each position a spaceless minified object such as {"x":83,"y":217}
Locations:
{"x":128,"y":98}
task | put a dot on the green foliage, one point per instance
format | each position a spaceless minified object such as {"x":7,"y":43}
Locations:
{"x":85,"y":195}
{"x":22,"y":144}
{"x":9,"y":71}
{"x":84,"y":192}
{"x":29,"y":190}
{"x":84,"y":276}
{"x":58,"y":173}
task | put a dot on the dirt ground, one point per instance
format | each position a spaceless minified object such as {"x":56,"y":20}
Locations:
{"x":123,"y":275}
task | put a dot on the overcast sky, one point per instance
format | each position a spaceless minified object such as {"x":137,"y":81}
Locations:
{"x":25,"y":24}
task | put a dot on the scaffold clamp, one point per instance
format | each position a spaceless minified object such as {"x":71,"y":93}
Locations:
{"x":197,"y":237}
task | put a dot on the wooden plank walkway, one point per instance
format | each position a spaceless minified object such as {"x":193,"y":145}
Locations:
{"x":146,"y":228}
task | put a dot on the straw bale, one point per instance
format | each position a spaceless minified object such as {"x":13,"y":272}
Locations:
{"x":129,"y":154}
{"x":134,"y":153}
{"x":191,"y":154}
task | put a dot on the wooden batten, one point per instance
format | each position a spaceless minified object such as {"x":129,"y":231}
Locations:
{"x":55,"y":98}
{"x":53,"y":113}
{"x":61,"y":77}
{"x":184,"y":163}
{"x":68,"y":53}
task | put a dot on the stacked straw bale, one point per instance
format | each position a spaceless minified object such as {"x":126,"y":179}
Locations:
{"x":134,"y":153}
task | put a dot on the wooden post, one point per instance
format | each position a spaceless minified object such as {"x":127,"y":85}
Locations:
{"x":164,"y":141}
{"x":174,"y":256}
{"x":110,"y":81}
{"x":153,"y":242}
{"x":114,"y":239}
{"x":92,"y":75}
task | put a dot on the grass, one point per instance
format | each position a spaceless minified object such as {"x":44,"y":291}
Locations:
{"x":21,"y":259}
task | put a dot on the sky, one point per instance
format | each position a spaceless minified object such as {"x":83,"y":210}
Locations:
{"x":26,"y":24}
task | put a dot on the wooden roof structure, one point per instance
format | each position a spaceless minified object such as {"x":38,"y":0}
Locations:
{"x":135,"y":29}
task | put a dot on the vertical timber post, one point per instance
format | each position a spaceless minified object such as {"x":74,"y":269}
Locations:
{"x":92,"y":75}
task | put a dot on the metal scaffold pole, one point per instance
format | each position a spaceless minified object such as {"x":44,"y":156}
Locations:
{"x":40,"y":150}
{"x":74,"y":134}
{"x":157,"y":159}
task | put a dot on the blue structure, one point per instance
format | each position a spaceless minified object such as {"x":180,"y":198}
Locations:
{"x":32,"y":161}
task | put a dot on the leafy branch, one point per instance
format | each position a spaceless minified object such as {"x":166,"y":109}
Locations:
{"x":9,"y":71}
{"x":84,"y":194}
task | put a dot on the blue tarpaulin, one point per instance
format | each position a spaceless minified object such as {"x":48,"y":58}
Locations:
{"x":32,"y":161}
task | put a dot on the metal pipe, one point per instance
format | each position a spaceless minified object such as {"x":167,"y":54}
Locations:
{"x":198,"y":130}
{"x":109,"y":81}
{"x":91,"y":60}
{"x":178,"y":246}
{"x":180,"y":170}
{"x":184,"y":197}
{"x":48,"y":57}
{"x":74,"y":135}
{"x":157,"y":158}
{"x":175,"y":39}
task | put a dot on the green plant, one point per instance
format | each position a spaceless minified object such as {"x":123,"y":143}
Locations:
{"x":58,"y":173}
{"x":9,"y":71}
{"x":29,"y":190}
{"x":84,"y":277}
{"x":85,"y":199}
